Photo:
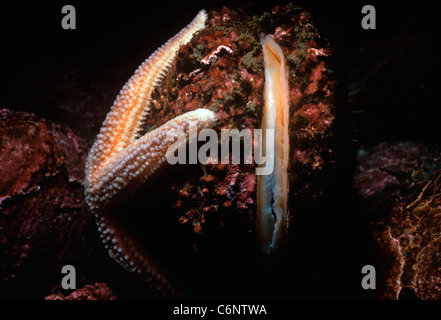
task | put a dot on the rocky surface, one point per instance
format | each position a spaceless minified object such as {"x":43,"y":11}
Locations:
{"x":409,"y":240}
{"x":402,"y":203}
{"x":389,"y":167}
{"x":44,"y":220}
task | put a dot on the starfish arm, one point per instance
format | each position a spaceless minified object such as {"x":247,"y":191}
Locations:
{"x":121,"y":125}
{"x":123,"y":249}
{"x":133,"y":166}
{"x":119,"y":162}
{"x":128,"y":170}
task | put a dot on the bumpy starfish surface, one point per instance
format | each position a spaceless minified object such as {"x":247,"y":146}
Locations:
{"x":119,"y":161}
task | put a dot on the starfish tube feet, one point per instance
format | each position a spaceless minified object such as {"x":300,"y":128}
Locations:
{"x":132,"y":167}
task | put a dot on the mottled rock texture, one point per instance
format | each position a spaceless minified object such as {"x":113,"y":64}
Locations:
{"x":43,"y":215}
{"x":405,"y":214}
{"x":389,"y":167}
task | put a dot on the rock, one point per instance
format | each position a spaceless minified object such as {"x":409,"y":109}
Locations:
{"x":44,"y":221}
{"x":409,"y":239}
{"x":405,"y":218}
{"x":386,"y":167}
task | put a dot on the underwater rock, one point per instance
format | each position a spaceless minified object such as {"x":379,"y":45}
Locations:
{"x":44,"y":219}
{"x":387,"y":167}
{"x":401,"y":190}
{"x":410,"y":241}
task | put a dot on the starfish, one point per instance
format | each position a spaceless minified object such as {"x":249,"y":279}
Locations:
{"x":120,"y":161}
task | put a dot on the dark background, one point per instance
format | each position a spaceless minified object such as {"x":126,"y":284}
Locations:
{"x":63,"y":75}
